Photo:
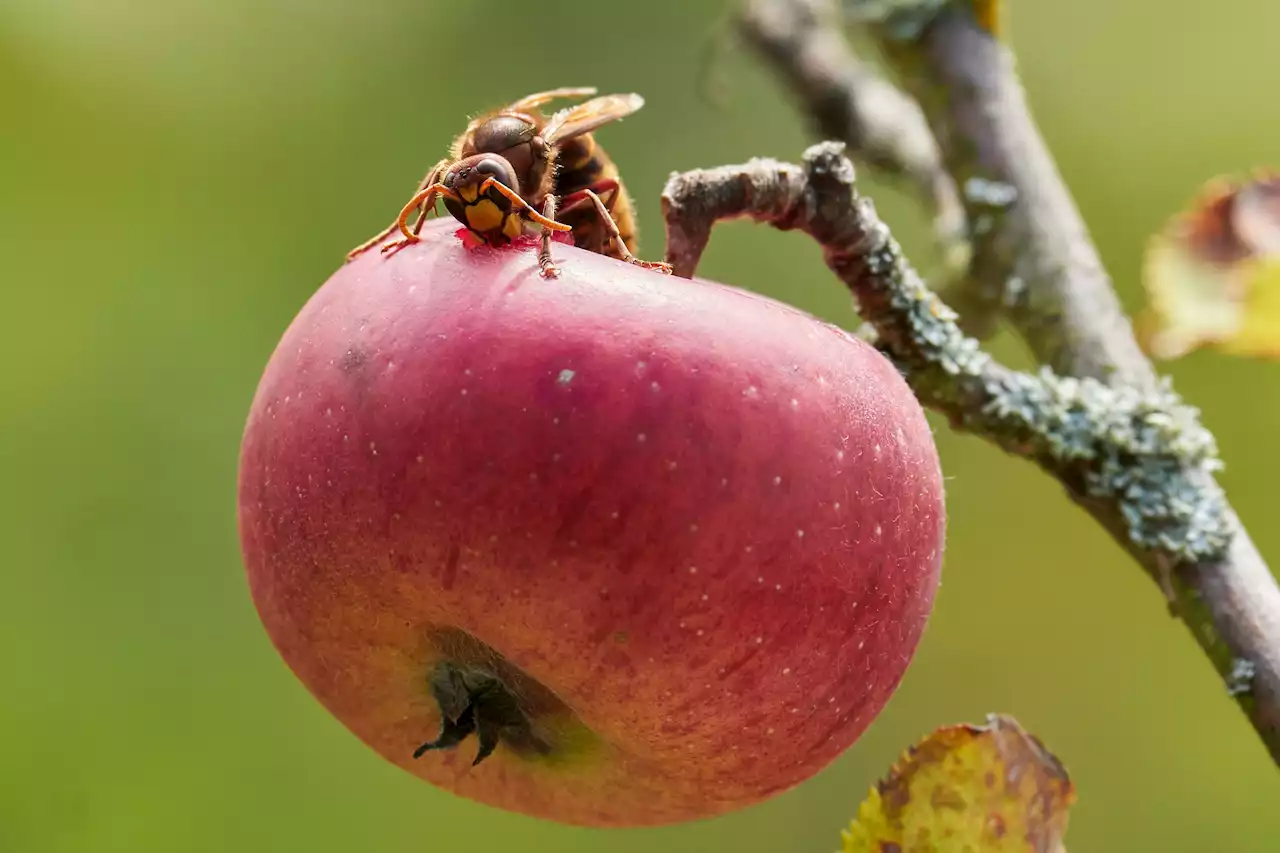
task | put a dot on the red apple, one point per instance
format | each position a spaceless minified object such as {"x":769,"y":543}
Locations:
{"x":667,"y":545}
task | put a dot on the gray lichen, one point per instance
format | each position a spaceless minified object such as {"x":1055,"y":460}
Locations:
{"x":1240,"y":679}
{"x":994,"y":194}
{"x":1143,"y":454}
{"x":1145,"y":451}
{"x":1136,"y":459}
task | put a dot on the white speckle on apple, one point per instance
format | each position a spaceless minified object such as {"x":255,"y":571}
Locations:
{"x":566,"y":376}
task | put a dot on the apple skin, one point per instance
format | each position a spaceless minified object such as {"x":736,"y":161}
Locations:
{"x":697,"y":531}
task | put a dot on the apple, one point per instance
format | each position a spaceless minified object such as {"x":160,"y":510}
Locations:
{"x":612,"y":549}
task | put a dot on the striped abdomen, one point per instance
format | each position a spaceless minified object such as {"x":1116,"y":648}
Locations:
{"x":582,"y":164}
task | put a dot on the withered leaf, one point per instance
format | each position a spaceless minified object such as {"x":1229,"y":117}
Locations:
{"x":968,"y":789}
{"x":1212,"y":275}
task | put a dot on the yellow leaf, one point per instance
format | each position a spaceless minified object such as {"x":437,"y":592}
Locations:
{"x":968,"y":789}
{"x":1258,"y":334}
{"x":988,"y":14}
{"x":1212,"y":276}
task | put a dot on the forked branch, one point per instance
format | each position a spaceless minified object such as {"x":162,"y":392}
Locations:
{"x":1137,"y":459}
{"x":847,"y":99}
{"x":1034,"y":264}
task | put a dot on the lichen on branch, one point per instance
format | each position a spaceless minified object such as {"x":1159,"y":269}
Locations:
{"x":1137,"y":453}
{"x":1143,"y":467}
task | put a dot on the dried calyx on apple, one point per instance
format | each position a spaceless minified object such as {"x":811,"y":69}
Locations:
{"x":661,"y":548}
{"x":475,"y":701}
{"x":479,"y":693}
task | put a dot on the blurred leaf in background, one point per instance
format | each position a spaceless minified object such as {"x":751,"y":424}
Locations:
{"x":176,"y":178}
{"x":1212,"y":274}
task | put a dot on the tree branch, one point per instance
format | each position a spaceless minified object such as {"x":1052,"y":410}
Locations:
{"x":1033,"y":258}
{"x":1035,"y":255}
{"x":1034,"y":263}
{"x":846,"y":99}
{"x":1136,"y":458}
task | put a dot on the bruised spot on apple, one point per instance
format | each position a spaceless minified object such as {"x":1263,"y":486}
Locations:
{"x":611,"y":549}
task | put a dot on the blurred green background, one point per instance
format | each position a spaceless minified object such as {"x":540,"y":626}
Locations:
{"x":177,"y":177}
